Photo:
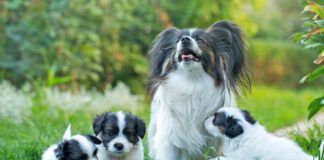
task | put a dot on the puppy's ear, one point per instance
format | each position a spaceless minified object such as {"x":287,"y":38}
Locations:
{"x":98,"y":121}
{"x":67,"y":133}
{"x":227,"y":39}
{"x":93,"y":139}
{"x":59,"y":151}
{"x":140,"y":127}
{"x":233,"y":130}
{"x":248,"y":117}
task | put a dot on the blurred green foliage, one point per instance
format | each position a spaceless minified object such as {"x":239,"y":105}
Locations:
{"x":88,"y":42}
{"x":94,"y":43}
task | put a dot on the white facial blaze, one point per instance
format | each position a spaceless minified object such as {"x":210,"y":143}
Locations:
{"x":121,"y":138}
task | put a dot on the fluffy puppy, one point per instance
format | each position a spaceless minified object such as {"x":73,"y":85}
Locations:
{"x":194,"y":72}
{"x":77,"y":147}
{"x":245,"y":139}
{"x":121,"y":135}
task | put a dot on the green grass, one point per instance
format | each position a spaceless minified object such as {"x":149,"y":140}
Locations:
{"x":273,"y":107}
{"x":277,"y":107}
{"x":311,"y":140}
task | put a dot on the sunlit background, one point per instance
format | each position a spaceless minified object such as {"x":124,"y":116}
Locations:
{"x":64,"y":61}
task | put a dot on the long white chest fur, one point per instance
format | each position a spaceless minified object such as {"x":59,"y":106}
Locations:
{"x":178,"y":110}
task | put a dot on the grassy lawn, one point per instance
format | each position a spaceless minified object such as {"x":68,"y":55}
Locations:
{"x":276,"y":108}
{"x":273,"y":107}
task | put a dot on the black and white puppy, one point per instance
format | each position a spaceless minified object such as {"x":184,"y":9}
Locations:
{"x":194,"y":72}
{"x":77,"y":147}
{"x":245,"y":139}
{"x":121,"y":135}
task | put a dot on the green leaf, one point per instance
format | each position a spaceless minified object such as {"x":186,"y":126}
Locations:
{"x":315,"y":106}
{"x":309,"y":24}
{"x":316,"y":8}
{"x":313,"y":75}
{"x":320,"y":23}
{"x":314,"y":41}
{"x":297,"y":37}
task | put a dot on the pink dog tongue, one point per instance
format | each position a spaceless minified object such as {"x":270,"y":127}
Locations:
{"x":189,"y":56}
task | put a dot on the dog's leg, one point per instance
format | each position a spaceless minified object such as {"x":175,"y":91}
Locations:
{"x":152,"y":127}
{"x":161,"y":148}
{"x":168,"y":151}
{"x":160,"y":143}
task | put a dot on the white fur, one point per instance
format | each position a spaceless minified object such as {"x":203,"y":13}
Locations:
{"x":178,"y":109}
{"x":49,"y":154}
{"x":255,"y":143}
{"x":67,"y":133}
{"x":136,"y":153}
{"x":130,"y":151}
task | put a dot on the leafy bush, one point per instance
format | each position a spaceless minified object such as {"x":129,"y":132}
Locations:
{"x":279,"y":62}
{"x":312,"y":37}
{"x":87,"y":42}
{"x":96,"y":42}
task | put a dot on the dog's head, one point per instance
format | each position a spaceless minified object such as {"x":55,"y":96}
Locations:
{"x":229,"y":122}
{"x":218,"y":50}
{"x":77,"y":147}
{"x":119,"y":131}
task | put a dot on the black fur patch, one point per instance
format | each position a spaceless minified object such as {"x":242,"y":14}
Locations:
{"x":162,"y":49}
{"x":107,"y":124}
{"x":227,"y":125}
{"x":93,"y":139}
{"x":248,"y":117}
{"x":134,"y":128}
{"x":70,"y":150}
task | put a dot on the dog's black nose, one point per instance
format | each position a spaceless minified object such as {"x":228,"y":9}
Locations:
{"x":185,"y":40}
{"x":119,"y":146}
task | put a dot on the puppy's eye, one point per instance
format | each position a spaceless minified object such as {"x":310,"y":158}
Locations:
{"x":110,"y":134}
{"x":128,"y":133}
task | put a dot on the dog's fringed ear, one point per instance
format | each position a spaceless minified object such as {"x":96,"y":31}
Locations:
{"x":141,"y":127}
{"x":97,"y":123}
{"x":160,"y":51}
{"x":93,"y":139}
{"x":67,"y":133}
{"x":228,"y":40}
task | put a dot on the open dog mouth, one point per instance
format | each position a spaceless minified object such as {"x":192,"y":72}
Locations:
{"x":188,"y":55}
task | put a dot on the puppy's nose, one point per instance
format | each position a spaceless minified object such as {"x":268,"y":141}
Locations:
{"x":185,"y":40}
{"x":119,"y":146}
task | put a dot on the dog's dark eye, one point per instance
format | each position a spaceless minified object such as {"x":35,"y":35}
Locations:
{"x":128,"y":132}
{"x":110,"y":133}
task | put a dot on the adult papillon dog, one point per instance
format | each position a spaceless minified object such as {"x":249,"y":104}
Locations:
{"x":194,"y":72}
